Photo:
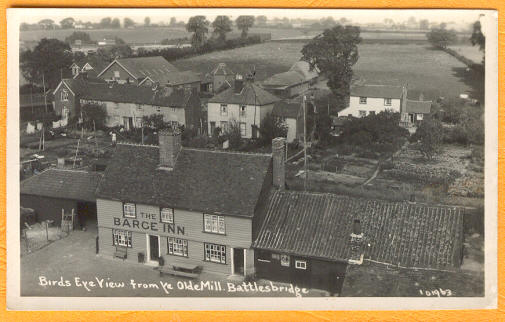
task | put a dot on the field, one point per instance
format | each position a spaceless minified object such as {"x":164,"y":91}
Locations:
{"x":471,"y":52}
{"x":432,"y":72}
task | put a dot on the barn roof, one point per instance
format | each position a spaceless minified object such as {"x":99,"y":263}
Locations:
{"x":251,"y":94}
{"x":303,"y":68}
{"x":202,"y":180}
{"x":377,"y":91}
{"x":284,"y":80}
{"x":319,"y":225}
{"x":423,"y":107}
{"x":151,"y":67}
{"x":62,"y":184}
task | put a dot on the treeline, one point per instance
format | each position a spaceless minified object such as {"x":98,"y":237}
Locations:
{"x":209,"y":46}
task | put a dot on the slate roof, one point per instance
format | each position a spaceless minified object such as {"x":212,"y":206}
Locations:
{"x":251,"y":94}
{"x":303,"y":68}
{"x":63,"y":184}
{"x":287,"y":110}
{"x":153,"y":67}
{"x":421,"y":107}
{"x":222,"y":70}
{"x":177,"y":78}
{"x":319,"y":225}
{"x":285,"y":79}
{"x":202,"y":180}
{"x":377,"y":91}
{"x":129,"y":93}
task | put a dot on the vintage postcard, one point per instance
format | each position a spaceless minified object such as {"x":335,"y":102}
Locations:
{"x":253,"y":159}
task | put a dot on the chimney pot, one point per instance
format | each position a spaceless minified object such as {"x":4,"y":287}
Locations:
{"x":239,"y":84}
{"x":278,"y":156}
{"x":170,"y":146}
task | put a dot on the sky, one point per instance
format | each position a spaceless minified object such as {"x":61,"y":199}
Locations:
{"x":460,"y":17}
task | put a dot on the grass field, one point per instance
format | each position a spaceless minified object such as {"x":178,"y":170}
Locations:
{"x":471,"y":52}
{"x":433,"y":72}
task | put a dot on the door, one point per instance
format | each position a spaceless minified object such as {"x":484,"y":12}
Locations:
{"x":238,"y":261}
{"x":212,"y":128}
{"x":154,"y":248}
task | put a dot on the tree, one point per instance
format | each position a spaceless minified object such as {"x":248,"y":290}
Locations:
{"x":441,"y":37}
{"x":105,"y":22}
{"x":112,"y":52}
{"x":46,"y":24}
{"x":173,"y":22}
{"x":115,"y":23}
{"x":333,"y":53}
{"x":272,"y":127}
{"x":93,"y":115}
{"x":478,"y":37}
{"x":233,"y":135}
{"x":261,"y":20}
{"x":147,"y":21}
{"x":429,"y":137}
{"x":51,"y":59}
{"x":78,"y":35}
{"x":67,"y":23}
{"x":244,"y":23}
{"x":199,"y":26}
{"x":222,"y":25}
{"x":127,"y":23}
{"x":327,"y":22}
{"x":424,"y":24}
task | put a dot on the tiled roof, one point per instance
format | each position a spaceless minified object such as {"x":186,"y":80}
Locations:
{"x":202,"y":180}
{"x":177,"y":78}
{"x":320,"y":225}
{"x":126,"y":93}
{"x":303,"y":68}
{"x":377,"y":91}
{"x":94,"y":61}
{"x":222,"y":69}
{"x":251,"y":94}
{"x":423,"y":107}
{"x":287,"y":110}
{"x":285,"y":79}
{"x":63,"y":184}
{"x":153,"y":67}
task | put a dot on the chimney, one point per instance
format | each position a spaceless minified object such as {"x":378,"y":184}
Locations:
{"x":278,"y":155}
{"x":170,"y":146}
{"x":421,"y":97}
{"x":239,"y":84}
{"x":403,"y":99}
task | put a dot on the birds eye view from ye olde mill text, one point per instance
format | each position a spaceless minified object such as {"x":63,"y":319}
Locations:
{"x":219,"y":153}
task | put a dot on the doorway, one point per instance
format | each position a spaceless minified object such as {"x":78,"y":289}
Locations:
{"x":86,"y":215}
{"x":238,"y":261}
{"x":154,"y":248}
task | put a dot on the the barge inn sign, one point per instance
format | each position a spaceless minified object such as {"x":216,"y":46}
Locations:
{"x":161,"y":177}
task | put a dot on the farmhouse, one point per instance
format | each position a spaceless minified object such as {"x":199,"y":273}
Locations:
{"x":245,"y":103}
{"x":127,"y":104}
{"x":166,"y":201}
{"x":372,"y":99}
{"x":55,"y":189}
{"x":292,"y":114}
{"x":291,"y":83}
{"x":149,"y":71}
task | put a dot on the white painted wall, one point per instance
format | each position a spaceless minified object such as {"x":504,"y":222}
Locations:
{"x":291,"y":123}
{"x":372,"y":104}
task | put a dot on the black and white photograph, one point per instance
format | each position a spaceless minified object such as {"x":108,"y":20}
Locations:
{"x":251,"y":159}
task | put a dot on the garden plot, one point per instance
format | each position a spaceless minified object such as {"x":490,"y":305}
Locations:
{"x":37,"y":237}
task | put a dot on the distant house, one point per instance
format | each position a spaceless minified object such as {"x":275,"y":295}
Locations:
{"x":292,"y":114}
{"x":218,"y":80}
{"x":89,"y":67}
{"x":126,"y":104}
{"x":291,"y":83}
{"x":414,"y":112}
{"x":149,"y":71}
{"x":245,"y":103}
{"x":107,"y":42}
{"x":373,"y":99}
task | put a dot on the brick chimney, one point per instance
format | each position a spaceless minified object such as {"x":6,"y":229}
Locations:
{"x":239,"y":84}
{"x":278,"y":156}
{"x":170,"y":146}
{"x":356,"y":243}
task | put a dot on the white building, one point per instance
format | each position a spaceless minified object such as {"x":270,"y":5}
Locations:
{"x":373,"y":99}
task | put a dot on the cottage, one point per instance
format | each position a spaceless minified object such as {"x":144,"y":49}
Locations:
{"x":166,"y":202}
{"x":373,"y":99}
{"x":127,"y":104}
{"x":55,"y":189}
{"x":221,"y":78}
{"x":414,"y":112}
{"x":245,"y":103}
{"x":292,"y":114}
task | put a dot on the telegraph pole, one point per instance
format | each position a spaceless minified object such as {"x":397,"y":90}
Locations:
{"x":304,"y":102}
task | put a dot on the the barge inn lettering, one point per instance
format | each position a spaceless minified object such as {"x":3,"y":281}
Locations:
{"x":148,"y":222}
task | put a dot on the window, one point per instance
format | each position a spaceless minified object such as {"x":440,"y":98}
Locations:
{"x":224,"y":109}
{"x":158,"y":109}
{"x":215,"y":253}
{"x":129,"y":210}
{"x":387,"y":102}
{"x":224,"y":126}
{"x":362,"y":100}
{"x":167,"y":215}
{"x":301,"y":264}
{"x":64,"y":95}
{"x":138,"y":121}
{"x":177,"y":246}
{"x":214,"y":224}
{"x":243,"y":109}
{"x":122,"y":238}
{"x":362,"y":113}
{"x":285,"y":260}
{"x":116,"y":74}
{"x":243,"y":129}
{"x":139,"y":107}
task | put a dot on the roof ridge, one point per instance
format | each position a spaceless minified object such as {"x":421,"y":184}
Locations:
{"x":226,"y":152}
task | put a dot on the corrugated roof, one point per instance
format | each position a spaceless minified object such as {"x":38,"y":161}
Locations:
{"x":153,"y":66}
{"x":287,"y":110}
{"x":127,"y":93}
{"x":202,"y":180}
{"x":377,"y":91}
{"x":251,"y":94}
{"x":63,"y":184}
{"x":423,"y":107}
{"x":320,"y":225}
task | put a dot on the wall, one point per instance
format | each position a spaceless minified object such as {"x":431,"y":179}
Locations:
{"x":48,"y":208}
{"x":238,"y":234}
{"x":124,"y":76}
{"x":292,"y":129}
{"x":59,"y":104}
{"x":373,"y":104}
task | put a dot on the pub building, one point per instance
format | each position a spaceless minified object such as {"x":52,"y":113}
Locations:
{"x":192,"y":207}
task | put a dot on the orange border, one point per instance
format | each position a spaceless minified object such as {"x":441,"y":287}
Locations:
{"x":472,"y":315}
